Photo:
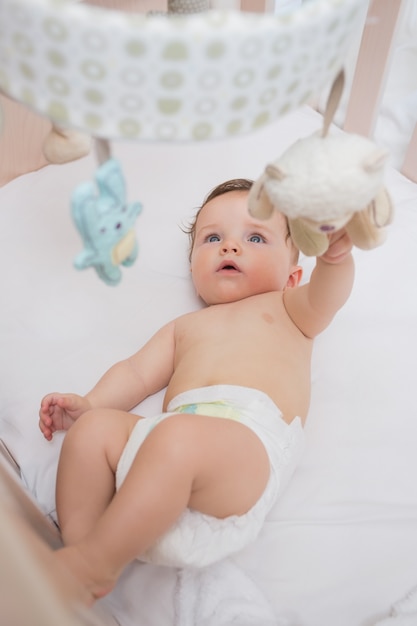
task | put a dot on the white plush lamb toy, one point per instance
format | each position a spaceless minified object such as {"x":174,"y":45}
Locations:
{"x":323,"y":183}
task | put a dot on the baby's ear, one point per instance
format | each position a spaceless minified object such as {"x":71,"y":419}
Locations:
{"x":295,"y":277}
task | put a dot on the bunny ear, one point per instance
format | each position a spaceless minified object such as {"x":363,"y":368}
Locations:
{"x":275,"y":172}
{"x":333,"y":101}
{"x":375,"y":161}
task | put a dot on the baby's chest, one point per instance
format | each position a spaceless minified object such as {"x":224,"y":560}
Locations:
{"x":225,"y":324}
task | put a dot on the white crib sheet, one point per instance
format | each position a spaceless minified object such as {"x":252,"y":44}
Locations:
{"x":341,"y":545}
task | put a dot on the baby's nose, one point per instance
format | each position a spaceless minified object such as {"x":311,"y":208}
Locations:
{"x":230,"y":246}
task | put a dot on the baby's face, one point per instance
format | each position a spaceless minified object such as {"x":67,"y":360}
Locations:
{"x":235,"y":255}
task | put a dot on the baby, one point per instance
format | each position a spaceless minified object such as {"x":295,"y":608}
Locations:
{"x":195,"y":483}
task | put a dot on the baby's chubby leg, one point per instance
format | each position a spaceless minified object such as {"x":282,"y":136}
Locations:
{"x":212,"y":465}
{"x":86,"y":471}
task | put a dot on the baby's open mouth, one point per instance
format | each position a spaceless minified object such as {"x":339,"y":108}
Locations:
{"x":228,"y":266}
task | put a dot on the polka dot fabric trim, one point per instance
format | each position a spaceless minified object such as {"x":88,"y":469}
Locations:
{"x":169,"y":78}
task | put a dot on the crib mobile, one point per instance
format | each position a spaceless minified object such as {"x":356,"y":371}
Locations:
{"x":192,"y":74}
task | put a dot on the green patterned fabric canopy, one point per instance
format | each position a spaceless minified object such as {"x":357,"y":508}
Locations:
{"x":169,"y":77}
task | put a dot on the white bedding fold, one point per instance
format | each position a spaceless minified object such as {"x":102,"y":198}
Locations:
{"x":403,"y":612}
{"x":220,"y":595}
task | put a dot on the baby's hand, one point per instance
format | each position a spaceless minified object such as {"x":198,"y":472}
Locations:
{"x":340,"y":246}
{"x":59,"y":411}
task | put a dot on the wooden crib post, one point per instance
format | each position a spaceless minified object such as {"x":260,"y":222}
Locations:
{"x":257,"y":6}
{"x":372,"y":66}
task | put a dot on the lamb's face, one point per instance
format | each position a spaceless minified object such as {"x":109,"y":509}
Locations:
{"x":327,"y":227}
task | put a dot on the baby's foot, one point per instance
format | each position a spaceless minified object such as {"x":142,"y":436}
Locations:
{"x":93,"y":586}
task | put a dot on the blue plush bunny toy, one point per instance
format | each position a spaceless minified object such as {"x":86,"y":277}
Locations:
{"x":105,"y":223}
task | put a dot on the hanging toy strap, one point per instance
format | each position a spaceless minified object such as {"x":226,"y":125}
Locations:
{"x":333,"y":101}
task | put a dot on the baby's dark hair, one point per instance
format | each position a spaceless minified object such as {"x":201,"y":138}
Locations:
{"x":235,"y":184}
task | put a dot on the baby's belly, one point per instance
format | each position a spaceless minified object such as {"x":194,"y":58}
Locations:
{"x":288,"y":388}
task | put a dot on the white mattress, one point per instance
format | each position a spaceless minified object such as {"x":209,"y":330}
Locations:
{"x":340,"y":547}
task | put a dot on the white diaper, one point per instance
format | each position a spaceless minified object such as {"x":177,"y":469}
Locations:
{"x":197,"y":539}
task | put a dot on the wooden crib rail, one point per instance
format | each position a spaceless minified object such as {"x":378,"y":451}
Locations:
{"x":33,"y":587}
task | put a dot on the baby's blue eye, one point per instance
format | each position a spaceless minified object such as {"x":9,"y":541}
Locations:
{"x":256,"y":239}
{"x":212,"y":238}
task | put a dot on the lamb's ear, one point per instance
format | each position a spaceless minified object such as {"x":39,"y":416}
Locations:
{"x":375,"y":161}
{"x":273,"y":171}
{"x":259,"y":203}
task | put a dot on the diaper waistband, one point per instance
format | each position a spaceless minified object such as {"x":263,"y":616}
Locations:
{"x":218,"y":408}
{"x":236,"y":395}
{"x":234,"y":402}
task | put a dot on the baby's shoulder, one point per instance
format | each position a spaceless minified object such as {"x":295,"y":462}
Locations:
{"x":188,"y":318}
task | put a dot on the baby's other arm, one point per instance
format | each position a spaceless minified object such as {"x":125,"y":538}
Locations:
{"x":130,"y":381}
{"x":123,"y":386}
{"x":313,"y":306}
{"x":59,"y":411}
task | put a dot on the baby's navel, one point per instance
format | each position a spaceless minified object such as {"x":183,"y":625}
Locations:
{"x":268,"y":318}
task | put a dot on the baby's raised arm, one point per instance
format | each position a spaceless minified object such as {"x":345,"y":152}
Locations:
{"x":313,"y":306}
{"x":123,"y":386}
{"x":130,"y":381}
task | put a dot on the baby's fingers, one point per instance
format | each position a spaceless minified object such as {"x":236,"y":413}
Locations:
{"x":53,"y":400}
{"x":340,"y":245}
{"x":48,"y":415}
{"x":47,"y":434}
{"x":45,"y":426}
{"x":45,"y":410}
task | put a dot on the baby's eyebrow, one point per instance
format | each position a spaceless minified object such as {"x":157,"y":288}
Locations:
{"x":208,"y":228}
{"x":261,"y":227}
